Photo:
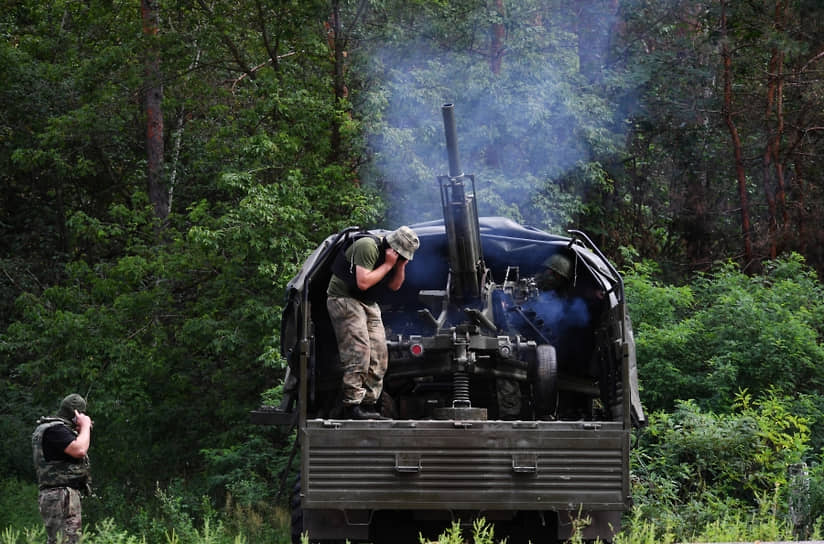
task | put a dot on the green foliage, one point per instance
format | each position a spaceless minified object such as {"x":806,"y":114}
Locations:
{"x":728,"y":331}
{"x":453,"y":535}
{"x":175,"y":515}
{"x":815,"y":507}
{"x":106,"y":532}
{"x":169,"y":329}
{"x":692,"y":468}
{"x":175,"y":527}
{"x":250,"y":472}
{"x":483,"y":532}
{"x":18,"y":504}
{"x":142,"y":335}
{"x":764,"y":525}
{"x":67,"y":126}
{"x":10,"y":535}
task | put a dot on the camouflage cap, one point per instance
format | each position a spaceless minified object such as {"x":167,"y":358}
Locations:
{"x":404,"y":241}
{"x":70,"y":404}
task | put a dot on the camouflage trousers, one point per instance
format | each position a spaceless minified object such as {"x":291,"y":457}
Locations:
{"x":60,"y":509}
{"x":362,"y":348}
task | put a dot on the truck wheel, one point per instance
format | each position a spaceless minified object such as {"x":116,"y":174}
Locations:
{"x":545,"y":382}
{"x":297,"y":513}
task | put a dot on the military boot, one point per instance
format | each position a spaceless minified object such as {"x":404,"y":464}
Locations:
{"x":372,"y":408}
{"x":356,"y":411}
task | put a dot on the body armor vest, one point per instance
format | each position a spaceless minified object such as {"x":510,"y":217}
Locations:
{"x":60,"y":473}
{"x":345,"y":269}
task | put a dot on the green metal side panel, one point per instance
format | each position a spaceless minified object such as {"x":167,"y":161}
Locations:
{"x":465,"y":465}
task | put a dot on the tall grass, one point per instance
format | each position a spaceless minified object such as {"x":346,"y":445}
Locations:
{"x":763,"y":526}
{"x":237,"y":525}
{"x":108,"y":532}
{"x":234,"y":525}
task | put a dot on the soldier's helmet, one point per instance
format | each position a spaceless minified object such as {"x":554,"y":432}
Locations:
{"x":70,"y":404}
{"x":560,"y":264}
{"x":404,"y":241}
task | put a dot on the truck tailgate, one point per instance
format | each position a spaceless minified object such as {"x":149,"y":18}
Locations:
{"x":495,"y":465}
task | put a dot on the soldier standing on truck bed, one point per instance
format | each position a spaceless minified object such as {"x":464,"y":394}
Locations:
{"x":360,"y":271}
{"x":555,"y":282}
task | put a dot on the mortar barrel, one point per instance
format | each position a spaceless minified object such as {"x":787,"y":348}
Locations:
{"x":451,"y":133}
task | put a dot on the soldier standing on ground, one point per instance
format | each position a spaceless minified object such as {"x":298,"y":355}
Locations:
{"x":359,"y":273}
{"x":60,"y":444}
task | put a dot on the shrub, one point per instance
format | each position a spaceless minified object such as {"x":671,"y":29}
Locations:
{"x":727,"y":331}
{"x":18,"y":504}
{"x":693,"y":467}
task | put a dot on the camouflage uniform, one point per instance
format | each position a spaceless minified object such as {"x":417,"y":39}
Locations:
{"x":363,"y":354}
{"x":60,"y":509}
{"x":60,"y":480}
{"x":356,"y":317}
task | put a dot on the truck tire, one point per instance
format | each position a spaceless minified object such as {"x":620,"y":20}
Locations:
{"x":545,"y":382}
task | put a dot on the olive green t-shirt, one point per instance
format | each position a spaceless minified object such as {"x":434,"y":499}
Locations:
{"x":364,"y":253}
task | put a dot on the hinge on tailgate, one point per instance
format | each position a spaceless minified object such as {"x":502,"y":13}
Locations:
{"x":407,"y":462}
{"x":525,"y":463}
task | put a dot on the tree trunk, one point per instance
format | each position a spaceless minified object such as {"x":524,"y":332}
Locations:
{"x":770,"y":154}
{"x":774,"y":122}
{"x":801,"y":219}
{"x":496,"y":44}
{"x":338,"y":55}
{"x":736,"y":140}
{"x":595,"y":21}
{"x":153,"y":105}
{"x":781,"y":16}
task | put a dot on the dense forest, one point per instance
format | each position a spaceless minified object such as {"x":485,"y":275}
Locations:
{"x":167,"y":165}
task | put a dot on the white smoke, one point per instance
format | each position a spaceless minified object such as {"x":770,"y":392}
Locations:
{"x":527,"y":133}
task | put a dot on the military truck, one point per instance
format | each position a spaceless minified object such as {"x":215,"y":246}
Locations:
{"x":505,"y":401}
